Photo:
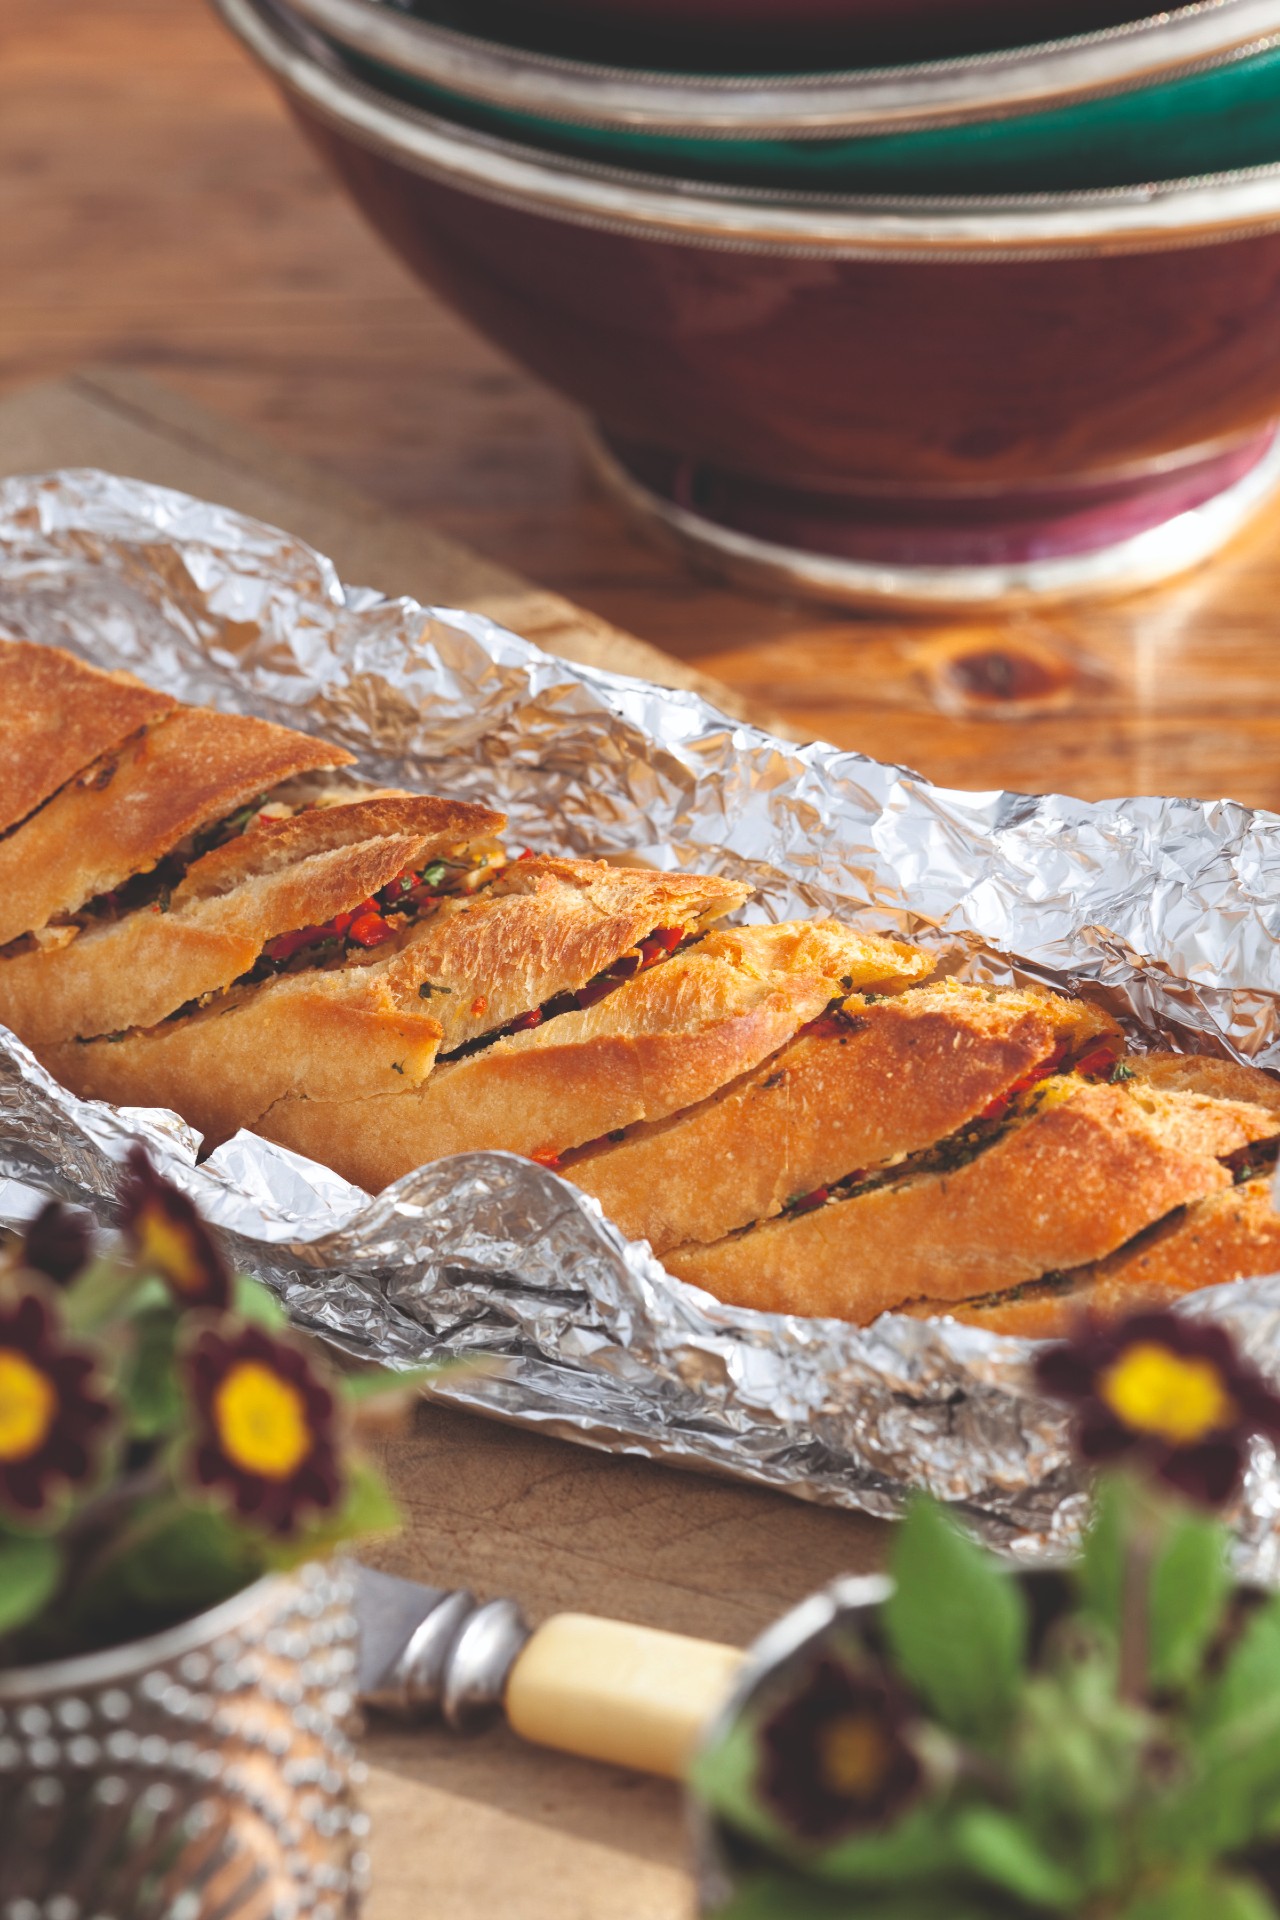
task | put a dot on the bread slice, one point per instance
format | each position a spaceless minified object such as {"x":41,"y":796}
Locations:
{"x":317,"y":1035}
{"x":545,"y":928}
{"x":1232,"y":1236}
{"x":662,"y":1040}
{"x":886,"y":1079}
{"x":442,"y":828}
{"x":1087,"y":1169}
{"x":1205,"y":1073}
{"x":137,"y":971}
{"x":120,"y":816}
{"x":57,"y":715}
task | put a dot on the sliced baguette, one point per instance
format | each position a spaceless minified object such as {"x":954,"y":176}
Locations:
{"x":1232,"y":1236}
{"x":664,"y":1039}
{"x":1087,"y":1170}
{"x":56,"y":717}
{"x":887,"y":1080}
{"x":120,"y":816}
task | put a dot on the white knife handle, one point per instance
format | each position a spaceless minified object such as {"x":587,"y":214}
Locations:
{"x":630,"y":1695}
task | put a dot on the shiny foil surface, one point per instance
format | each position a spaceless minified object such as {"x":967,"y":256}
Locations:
{"x":1168,"y":911}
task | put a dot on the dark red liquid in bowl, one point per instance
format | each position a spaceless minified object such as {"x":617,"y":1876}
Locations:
{"x":781,"y":35}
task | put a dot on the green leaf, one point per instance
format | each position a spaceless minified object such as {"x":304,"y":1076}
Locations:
{"x":102,"y":1292}
{"x":996,"y":1847}
{"x":918,"y":1847}
{"x":1248,"y":1688}
{"x":782,"y":1896}
{"x":724,"y":1774}
{"x":368,"y":1509}
{"x":150,"y":1386}
{"x":255,"y":1302}
{"x":1202,"y":1895}
{"x":1233,"y":1801}
{"x":956,"y":1622}
{"x":173,"y":1559}
{"x":1190,"y":1584}
{"x":373,"y":1382}
{"x":30,"y":1570}
{"x":1100,"y":1571}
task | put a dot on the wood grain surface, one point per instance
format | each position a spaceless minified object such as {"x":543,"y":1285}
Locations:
{"x":159,"y":212}
{"x":161,"y":217}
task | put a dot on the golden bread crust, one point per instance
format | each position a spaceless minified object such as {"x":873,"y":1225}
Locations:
{"x":1068,"y":1186}
{"x":121,"y":816}
{"x":903,"y":1073}
{"x":1206,"y":1074}
{"x":57,"y":715}
{"x":440,"y":826}
{"x":545,"y":927}
{"x":136,"y":971}
{"x":661,"y":1041}
{"x":1232,"y":1236}
{"x":319,"y":1034}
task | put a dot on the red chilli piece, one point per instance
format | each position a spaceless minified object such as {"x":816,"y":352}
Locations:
{"x":369,"y":930}
{"x":595,"y":990}
{"x":1097,"y":1061}
{"x":546,"y":1157}
{"x":810,"y":1202}
{"x":523,"y":1021}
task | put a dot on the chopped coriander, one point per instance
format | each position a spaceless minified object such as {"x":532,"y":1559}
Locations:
{"x":428,"y":987}
{"x":397,"y":1066}
{"x":434,"y":874}
{"x":1121,"y":1072}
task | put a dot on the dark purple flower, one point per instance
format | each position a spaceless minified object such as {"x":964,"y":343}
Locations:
{"x":52,"y":1420}
{"x":1171,"y":1393}
{"x":58,"y":1242}
{"x":265,"y":1427}
{"x":834,"y":1758}
{"x":168,"y":1236}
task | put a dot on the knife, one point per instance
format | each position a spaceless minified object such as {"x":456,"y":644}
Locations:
{"x":604,"y":1689}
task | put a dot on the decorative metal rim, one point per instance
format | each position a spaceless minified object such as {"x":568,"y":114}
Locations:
{"x":812,"y":105}
{"x":1168,"y":215}
{"x":116,"y":1663}
{"x":1143,"y":560}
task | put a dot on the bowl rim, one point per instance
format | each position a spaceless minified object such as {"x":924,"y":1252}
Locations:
{"x":1165,"y":46}
{"x":1169,"y":215}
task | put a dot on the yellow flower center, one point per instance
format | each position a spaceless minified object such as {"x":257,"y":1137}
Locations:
{"x":28,"y":1403}
{"x":1178,"y":1399}
{"x":261,"y":1421}
{"x":167,"y":1245}
{"x":853,"y":1756}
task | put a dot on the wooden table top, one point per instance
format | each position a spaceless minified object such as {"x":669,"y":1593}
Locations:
{"x":160,"y":215}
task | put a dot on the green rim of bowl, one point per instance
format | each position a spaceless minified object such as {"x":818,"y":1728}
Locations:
{"x":1212,"y":122}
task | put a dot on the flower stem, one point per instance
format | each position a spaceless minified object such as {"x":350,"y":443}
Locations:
{"x":1141,"y":1545}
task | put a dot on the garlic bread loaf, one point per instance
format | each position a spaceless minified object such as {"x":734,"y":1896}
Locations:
{"x":210,"y":913}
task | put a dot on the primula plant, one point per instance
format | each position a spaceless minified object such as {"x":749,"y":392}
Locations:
{"x":164,"y":1440}
{"x":1101,"y":1742}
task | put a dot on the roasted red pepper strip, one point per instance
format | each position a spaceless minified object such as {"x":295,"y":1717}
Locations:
{"x":369,"y":930}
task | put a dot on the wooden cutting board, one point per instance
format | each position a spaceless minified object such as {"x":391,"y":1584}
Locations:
{"x":485,"y":1829}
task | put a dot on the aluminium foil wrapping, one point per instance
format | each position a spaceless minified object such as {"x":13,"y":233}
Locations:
{"x":1165,"y":910}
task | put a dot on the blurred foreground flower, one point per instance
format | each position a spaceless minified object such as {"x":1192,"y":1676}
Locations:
{"x":1168,"y":1393}
{"x":52,"y":1418}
